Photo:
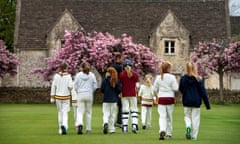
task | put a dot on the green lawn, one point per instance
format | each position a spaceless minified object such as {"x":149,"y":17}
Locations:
{"x":37,"y":124}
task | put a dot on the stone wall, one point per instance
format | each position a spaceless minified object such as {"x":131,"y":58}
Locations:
{"x":29,"y":60}
{"x":41,"y":95}
{"x":24,"y":95}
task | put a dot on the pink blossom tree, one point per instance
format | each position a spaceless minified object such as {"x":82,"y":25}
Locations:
{"x":99,"y":49}
{"x":215,"y":56}
{"x":8,"y":61}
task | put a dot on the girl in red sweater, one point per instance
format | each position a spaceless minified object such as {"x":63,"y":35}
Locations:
{"x":129,"y":78}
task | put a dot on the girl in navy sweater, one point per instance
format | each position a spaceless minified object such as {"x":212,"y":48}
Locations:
{"x":111,"y":88}
{"x":193,"y":92}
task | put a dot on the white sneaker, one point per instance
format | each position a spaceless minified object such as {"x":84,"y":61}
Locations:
{"x":60,"y":131}
{"x":134,"y":128}
{"x":125,"y":129}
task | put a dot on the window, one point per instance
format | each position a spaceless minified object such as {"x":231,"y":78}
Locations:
{"x":59,"y":43}
{"x":169,"y":47}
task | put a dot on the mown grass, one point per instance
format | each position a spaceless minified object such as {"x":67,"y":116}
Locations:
{"x":37,"y":124}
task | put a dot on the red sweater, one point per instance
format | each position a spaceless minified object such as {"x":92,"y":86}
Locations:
{"x":128,"y":84}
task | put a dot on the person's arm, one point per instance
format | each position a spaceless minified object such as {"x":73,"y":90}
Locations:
{"x":53,"y":90}
{"x":94,"y":82}
{"x":70,"y":83}
{"x":140,"y":91}
{"x":75,"y":84}
{"x":119,"y":87}
{"x":103,"y":86}
{"x":181,"y":86}
{"x":175,"y":84}
{"x":204,"y":95}
{"x":155,"y":86}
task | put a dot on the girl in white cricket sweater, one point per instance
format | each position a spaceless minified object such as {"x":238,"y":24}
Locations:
{"x":165,"y":85}
{"x":60,"y":91}
{"x":147,"y":99}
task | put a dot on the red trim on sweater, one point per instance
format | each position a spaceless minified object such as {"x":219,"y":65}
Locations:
{"x":146,"y":105}
{"x":166,"y":100}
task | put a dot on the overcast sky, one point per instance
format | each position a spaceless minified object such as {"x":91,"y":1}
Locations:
{"x":234,"y":7}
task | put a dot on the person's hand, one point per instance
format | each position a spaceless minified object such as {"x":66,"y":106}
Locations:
{"x":107,"y":74}
{"x":120,"y":95}
{"x":155,"y":102}
{"x":52,"y":100}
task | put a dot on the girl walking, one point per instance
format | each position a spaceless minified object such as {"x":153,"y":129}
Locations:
{"x":128,"y":79}
{"x":61,"y":92}
{"x":165,"y":85}
{"x":193,"y":92}
{"x":111,"y":88}
{"x":85,"y":84}
{"x":147,"y":98}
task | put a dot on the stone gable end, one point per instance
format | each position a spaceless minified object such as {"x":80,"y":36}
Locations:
{"x":55,"y":36}
{"x":171,"y":29}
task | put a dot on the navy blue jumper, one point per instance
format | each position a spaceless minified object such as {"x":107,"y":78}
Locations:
{"x":193,"y":92}
{"x":110,"y":94}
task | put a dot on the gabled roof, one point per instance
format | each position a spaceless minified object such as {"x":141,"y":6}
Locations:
{"x":204,"y":20}
{"x":64,"y":14}
{"x":173,"y":26}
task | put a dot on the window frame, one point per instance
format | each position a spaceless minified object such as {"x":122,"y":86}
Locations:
{"x":168,"y":47}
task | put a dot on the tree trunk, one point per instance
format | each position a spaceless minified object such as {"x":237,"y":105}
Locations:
{"x":221,"y":86}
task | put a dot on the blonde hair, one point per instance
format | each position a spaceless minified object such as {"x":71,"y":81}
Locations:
{"x":114,"y":76}
{"x":148,"y":80}
{"x":165,"y":67}
{"x":191,"y":69}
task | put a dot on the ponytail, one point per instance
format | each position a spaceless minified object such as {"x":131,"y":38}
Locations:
{"x":192,"y":70}
{"x":165,"y":67}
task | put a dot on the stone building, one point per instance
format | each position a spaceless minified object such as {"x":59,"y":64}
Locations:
{"x":171,"y":28}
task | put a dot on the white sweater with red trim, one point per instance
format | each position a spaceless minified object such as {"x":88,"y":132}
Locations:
{"x":147,"y":94}
{"x":167,"y":86}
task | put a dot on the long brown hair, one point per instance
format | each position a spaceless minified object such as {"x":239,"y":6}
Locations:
{"x":63,"y":67}
{"x":191,"y":69}
{"x":165,"y":67}
{"x":114,"y":76}
{"x":85,"y":67}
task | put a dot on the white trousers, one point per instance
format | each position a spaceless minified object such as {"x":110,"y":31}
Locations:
{"x":74,"y":105}
{"x":192,"y":119}
{"x":146,"y":116}
{"x":63,"y":107}
{"x":84,"y":106}
{"x":129,"y":104}
{"x":166,"y":118}
{"x":109,"y":115}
